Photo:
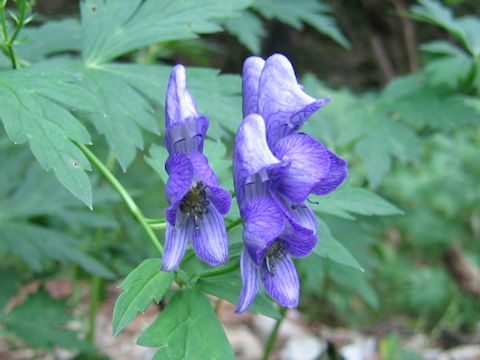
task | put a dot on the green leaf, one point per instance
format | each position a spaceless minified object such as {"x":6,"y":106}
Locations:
{"x":143,"y":285}
{"x":31,"y":111}
{"x":295,"y":13}
{"x":248,"y":28}
{"x":228,"y":287}
{"x":354,"y":280}
{"x":158,"y":157}
{"x":220,"y":101}
{"x":42,"y":322}
{"x":115,"y":27}
{"x":36,"y":245}
{"x":328,"y":246}
{"x":51,"y":38}
{"x":466,"y":29}
{"x":355,"y":200}
{"x":9,"y":281}
{"x":119,"y":121}
{"x":187,"y":329}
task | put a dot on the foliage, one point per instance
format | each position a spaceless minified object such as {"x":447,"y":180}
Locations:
{"x":78,"y":94}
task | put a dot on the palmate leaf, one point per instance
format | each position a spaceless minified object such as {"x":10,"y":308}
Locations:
{"x":37,"y":245}
{"x":143,"y":285}
{"x":219,"y":101}
{"x":187,"y":329}
{"x":360,"y":201}
{"x":114,"y":27}
{"x":42,"y":322}
{"x":32,"y":194}
{"x":295,"y":13}
{"x":248,"y":28}
{"x":123,"y":108}
{"x":228,"y":287}
{"x":466,"y":29}
{"x":34,"y":108}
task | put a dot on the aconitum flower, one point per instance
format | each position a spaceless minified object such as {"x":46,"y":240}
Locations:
{"x":270,"y":188}
{"x":270,"y":89}
{"x":197,"y":202}
{"x":275,"y":170}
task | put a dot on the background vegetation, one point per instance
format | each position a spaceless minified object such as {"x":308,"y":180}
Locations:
{"x":404,"y":80}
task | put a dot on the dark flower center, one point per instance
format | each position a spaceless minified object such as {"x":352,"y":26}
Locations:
{"x":276,"y":250}
{"x":195,"y":203}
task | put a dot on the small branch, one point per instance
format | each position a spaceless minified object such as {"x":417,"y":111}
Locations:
{"x":464,"y":272}
{"x":273,"y":335}
{"x":409,"y":35}
{"x":132,"y":206}
{"x":220,"y":270}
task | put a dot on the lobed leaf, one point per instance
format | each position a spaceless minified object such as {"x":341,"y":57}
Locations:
{"x":42,"y":322}
{"x":34,"y":108}
{"x":355,"y":200}
{"x":144,"y":283}
{"x":114,"y":27}
{"x":228,"y":287}
{"x":187,"y":329}
{"x":295,"y":13}
{"x":331,"y":248}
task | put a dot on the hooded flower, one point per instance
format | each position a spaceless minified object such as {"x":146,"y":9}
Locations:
{"x":197,"y":202}
{"x":277,"y":222}
{"x":275,"y":170}
{"x":270,"y":89}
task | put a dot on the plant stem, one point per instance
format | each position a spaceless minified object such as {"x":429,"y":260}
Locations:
{"x":234,"y":224}
{"x":95,"y":287}
{"x":158,"y":226}
{"x":220,"y":270}
{"x":132,"y":206}
{"x":22,"y":7}
{"x":273,"y":335}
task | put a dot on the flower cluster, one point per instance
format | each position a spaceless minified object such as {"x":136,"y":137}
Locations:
{"x":197,"y":202}
{"x":275,"y":169}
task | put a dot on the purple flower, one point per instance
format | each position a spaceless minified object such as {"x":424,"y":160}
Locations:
{"x":197,"y":202}
{"x":272,"y":189}
{"x":275,"y":170}
{"x":270,"y":89}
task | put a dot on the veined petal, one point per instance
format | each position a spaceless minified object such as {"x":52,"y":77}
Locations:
{"x":251,"y":153}
{"x":297,"y":244}
{"x":188,"y":136}
{"x":252,"y":69}
{"x":300,"y":216}
{"x":179,"y":104}
{"x":202,"y":169}
{"x":282,"y":284}
{"x":210,"y":239}
{"x":176,"y":241}
{"x":250,"y":283}
{"x":221,"y":199}
{"x":309,"y":163}
{"x":337,"y":173}
{"x":180,"y":170}
{"x":281,"y":101}
{"x":264,"y":222}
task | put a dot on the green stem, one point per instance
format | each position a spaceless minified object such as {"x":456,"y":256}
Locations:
{"x":132,"y":206}
{"x":220,"y":270}
{"x":158,"y":226}
{"x":273,"y":335}
{"x":234,"y":224}
{"x":10,"y":40}
{"x":96,"y":285}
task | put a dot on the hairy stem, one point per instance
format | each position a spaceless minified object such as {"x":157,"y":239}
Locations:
{"x":9,"y":40}
{"x":273,"y":335}
{"x":132,"y":206}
